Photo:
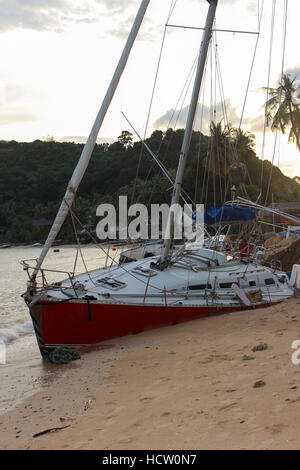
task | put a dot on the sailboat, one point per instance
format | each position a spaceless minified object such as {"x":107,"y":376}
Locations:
{"x":152,"y":292}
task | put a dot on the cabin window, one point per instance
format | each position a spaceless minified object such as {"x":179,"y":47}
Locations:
{"x":110,"y":283}
{"x":269,"y":282}
{"x":252,"y":283}
{"x":199,"y":287}
{"x":226,"y":285}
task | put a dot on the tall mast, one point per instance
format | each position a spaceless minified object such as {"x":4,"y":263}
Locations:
{"x":189,"y":128}
{"x":90,"y":143}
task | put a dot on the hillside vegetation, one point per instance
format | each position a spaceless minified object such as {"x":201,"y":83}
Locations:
{"x":34,"y":176}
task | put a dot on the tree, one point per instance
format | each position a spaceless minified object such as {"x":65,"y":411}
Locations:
{"x":243,"y":143}
{"x":48,"y":138}
{"x":221,"y":148}
{"x":282,"y":110}
{"x":126,"y":139}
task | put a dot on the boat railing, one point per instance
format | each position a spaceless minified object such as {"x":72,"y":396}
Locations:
{"x":41,"y":281}
{"x":275,"y":264}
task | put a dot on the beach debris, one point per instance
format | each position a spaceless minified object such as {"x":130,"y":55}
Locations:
{"x":87,"y":404}
{"x":294,"y":388}
{"x":62,"y":355}
{"x":171,"y":352}
{"x":260,"y":347}
{"x":254,"y":296}
{"x":285,"y":251}
{"x":259,"y":383}
{"x":50,"y":430}
{"x":62,"y":420}
{"x":248,"y":358}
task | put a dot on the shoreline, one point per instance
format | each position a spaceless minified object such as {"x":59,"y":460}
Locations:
{"x":115,"y":243}
{"x":179,"y":387}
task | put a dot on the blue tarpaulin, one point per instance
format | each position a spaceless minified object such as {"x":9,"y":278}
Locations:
{"x":228,"y":214}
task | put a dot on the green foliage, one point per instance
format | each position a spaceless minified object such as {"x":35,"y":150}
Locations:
{"x":281,"y":110}
{"x":126,"y":139}
{"x":34,"y":177}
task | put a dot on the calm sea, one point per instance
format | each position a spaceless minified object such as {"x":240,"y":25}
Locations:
{"x":23,"y":372}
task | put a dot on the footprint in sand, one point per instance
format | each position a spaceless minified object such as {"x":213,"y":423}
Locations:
{"x":276,"y":428}
{"x":216,"y":357}
{"x":227,"y":406}
{"x":292,"y":400}
{"x":146,"y":399}
{"x":215,"y":382}
{"x":126,"y":441}
{"x":163,"y":379}
{"x":151,"y":365}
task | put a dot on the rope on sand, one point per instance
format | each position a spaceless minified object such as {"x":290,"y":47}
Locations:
{"x":61,"y":355}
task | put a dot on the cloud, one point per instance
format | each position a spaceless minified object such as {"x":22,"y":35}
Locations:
{"x":168,"y":119}
{"x":117,"y":5}
{"x":171,"y":116}
{"x":49,"y":15}
{"x":56,"y":15}
{"x":294,"y":72}
{"x":16,"y":115}
{"x":251,"y":5}
{"x":16,"y":103}
{"x":290,"y":167}
{"x":123,"y":27}
{"x":78,"y":139}
{"x":256,"y":124}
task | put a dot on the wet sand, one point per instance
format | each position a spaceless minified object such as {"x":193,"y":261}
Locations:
{"x":180,"y":387}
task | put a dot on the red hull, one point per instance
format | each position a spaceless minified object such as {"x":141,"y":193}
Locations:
{"x":80,"y":323}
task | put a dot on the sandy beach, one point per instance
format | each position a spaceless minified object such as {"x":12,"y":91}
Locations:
{"x":182,"y":387}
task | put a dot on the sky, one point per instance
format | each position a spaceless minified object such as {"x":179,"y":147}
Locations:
{"x":58,"y":56}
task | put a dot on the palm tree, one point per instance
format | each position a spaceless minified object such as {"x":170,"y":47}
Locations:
{"x":229,"y":144}
{"x":243,"y":143}
{"x":220,"y":148}
{"x":282,"y":110}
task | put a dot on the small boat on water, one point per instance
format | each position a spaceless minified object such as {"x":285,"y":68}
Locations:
{"x":157,"y":286}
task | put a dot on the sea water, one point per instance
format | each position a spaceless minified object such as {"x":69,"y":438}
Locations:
{"x":22,"y":371}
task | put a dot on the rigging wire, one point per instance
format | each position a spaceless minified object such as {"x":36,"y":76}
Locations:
{"x":252,"y":66}
{"x":218,"y":78}
{"x":159,"y":163}
{"x":267,"y":98}
{"x":181,"y":98}
{"x":172,"y":6}
{"x":74,"y":217}
{"x":200,"y":137}
{"x":285,"y":17}
{"x":221,"y":153}
{"x":284,"y":34}
{"x":226,"y":120}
